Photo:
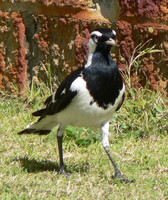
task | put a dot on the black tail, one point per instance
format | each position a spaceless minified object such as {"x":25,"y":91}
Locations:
{"x":39,"y":112}
{"x":42,"y":111}
{"x":43,"y":126}
{"x":34,"y":131}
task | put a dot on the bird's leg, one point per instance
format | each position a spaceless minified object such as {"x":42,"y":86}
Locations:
{"x":117,"y":173}
{"x":60,"y":148}
{"x":105,"y":141}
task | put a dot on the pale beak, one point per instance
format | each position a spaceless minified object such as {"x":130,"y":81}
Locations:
{"x":111,"y":42}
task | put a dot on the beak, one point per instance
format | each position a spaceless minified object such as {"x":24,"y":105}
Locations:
{"x":111,"y":42}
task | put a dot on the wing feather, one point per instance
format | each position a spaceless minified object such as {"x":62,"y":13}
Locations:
{"x":62,"y":98}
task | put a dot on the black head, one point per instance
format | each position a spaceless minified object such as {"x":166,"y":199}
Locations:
{"x":102,"y":38}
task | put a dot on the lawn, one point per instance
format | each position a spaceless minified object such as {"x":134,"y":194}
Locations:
{"x":139,"y":139}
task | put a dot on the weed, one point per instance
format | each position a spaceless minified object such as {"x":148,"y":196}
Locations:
{"x":135,"y":62}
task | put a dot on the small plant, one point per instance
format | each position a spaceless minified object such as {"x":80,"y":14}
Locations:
{"x":82,"y":136}
{"x":143,"y":115}
{"x":136,"y":60}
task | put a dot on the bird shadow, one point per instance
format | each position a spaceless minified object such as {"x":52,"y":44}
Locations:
{"x":34,"y":166}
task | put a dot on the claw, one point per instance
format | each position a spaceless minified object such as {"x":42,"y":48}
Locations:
{"x":126,"y":180}
{"x":121,"y":178}
{"x":64,"y":172}
{"x":117,"y":175}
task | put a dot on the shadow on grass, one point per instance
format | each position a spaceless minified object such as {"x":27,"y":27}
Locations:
{"x":33,"y":166}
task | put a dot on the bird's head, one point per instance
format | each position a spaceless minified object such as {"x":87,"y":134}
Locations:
{"x":102,"y":39}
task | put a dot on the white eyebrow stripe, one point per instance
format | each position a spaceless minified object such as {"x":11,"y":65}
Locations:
{"x":114,"y":33}
{"x":97,"y":33}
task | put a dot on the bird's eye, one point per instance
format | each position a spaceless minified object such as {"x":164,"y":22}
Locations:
{"x":95,"y":38}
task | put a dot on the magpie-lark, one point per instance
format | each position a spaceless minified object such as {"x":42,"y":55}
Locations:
{"x":87,"y":97}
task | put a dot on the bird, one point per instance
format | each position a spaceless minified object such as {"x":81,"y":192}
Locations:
{"x":87,"y":97}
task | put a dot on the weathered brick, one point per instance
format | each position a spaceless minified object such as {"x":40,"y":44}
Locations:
{"x":140,"y":21}
{"x":38,"y":34}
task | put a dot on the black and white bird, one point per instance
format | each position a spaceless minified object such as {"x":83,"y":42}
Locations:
{"x":87,"y":97}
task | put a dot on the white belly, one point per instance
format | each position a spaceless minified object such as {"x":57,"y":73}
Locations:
{"x":81,"y":113}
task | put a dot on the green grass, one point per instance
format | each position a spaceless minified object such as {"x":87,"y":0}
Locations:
{"x":29,"y":163}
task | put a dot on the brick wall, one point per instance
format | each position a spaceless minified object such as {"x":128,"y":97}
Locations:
{"x":39,"y":34}
{"x":140,"y":21}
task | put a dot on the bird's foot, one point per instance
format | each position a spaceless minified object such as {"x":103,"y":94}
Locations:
{"x":121,"y":178}
{"x":126,"y":180}
{"x":64,"y":172}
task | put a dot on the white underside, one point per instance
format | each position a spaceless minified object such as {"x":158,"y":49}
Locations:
{"x":80,"y":112}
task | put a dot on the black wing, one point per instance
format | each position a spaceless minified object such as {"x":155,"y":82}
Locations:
{"x":62,"y":97}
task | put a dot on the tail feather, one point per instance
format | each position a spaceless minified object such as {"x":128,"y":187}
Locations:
{"x":42,"y":127}
{"x":39,"y":112}
{"x":34,"y":131}
{"x":42,"y":111}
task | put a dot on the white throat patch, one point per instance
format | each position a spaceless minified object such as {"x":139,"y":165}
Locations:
{"x":92,"y":47}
